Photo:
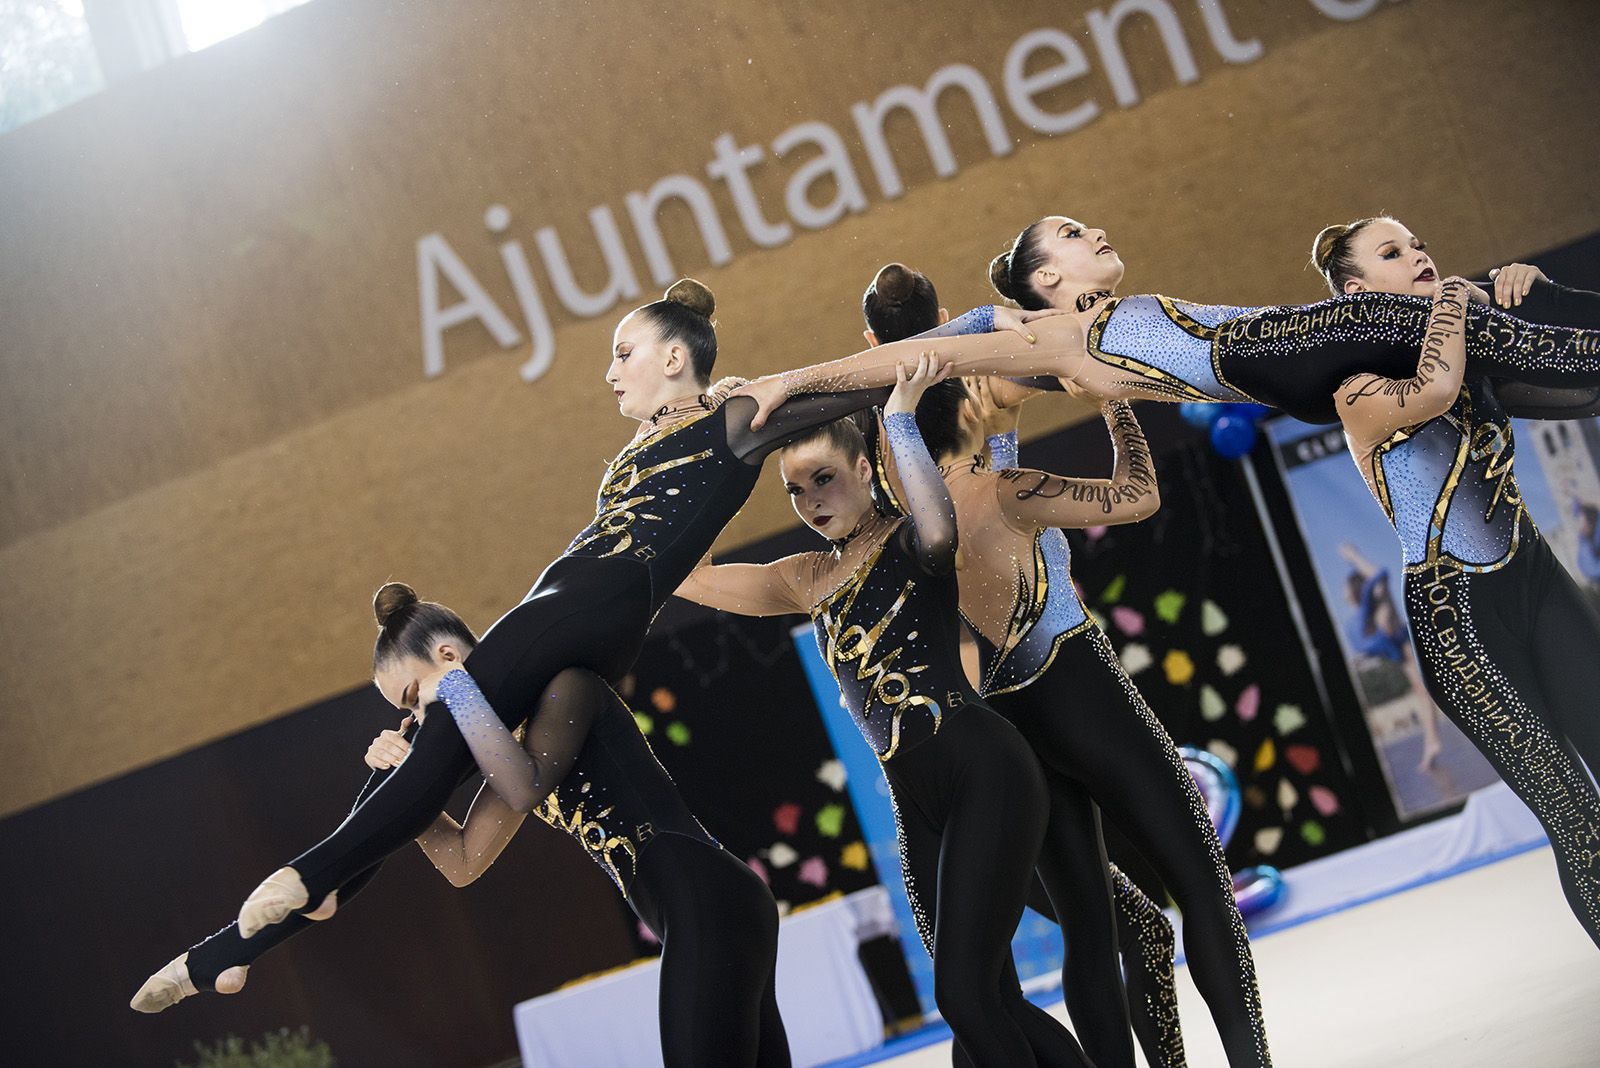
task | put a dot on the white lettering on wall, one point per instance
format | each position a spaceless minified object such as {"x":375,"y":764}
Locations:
{"x":730,"y":167}
{"x":621,"y":285}
{"x":923,"y":106}
{"x":643,"y":208}
{"x":1021,"y":87}
{"x":834,"y":162}
{"x":1346,"y":10}
{"x":1103,"y":28}
{"x":436,"y":257}
{"x":1230,"y":49}
{"x":1065,"y":60}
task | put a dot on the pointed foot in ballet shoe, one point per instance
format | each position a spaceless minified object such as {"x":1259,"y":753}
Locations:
{"x":325,"y":911}
{"x":231,"y":981}
{"x":280,"y":894}
{"x":165,"y":988}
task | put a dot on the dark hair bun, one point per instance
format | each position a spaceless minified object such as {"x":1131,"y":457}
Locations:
{"x":391,"y":598}
{"x":895,"y":283}
{"x":1325,"y":248}
{"x":692,"y":295}
{"x":1000,"y":275}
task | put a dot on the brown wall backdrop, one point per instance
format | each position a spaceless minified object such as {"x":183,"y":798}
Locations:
{"x":216,"y":436}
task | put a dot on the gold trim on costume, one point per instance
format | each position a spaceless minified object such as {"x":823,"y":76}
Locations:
{"x":1467,"y":431}
{"x":891,"y":688}
{"x":1168,"y":383}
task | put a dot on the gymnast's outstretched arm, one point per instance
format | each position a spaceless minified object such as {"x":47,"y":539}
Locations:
{"x":1057,"y":351}
{"x":1536,"y":299}
{"x":1031,"y":500}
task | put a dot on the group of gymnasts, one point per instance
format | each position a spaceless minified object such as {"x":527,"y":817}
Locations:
{"x":903,"y":457}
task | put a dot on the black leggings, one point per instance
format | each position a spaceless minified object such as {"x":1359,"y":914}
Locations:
{"x":718,"y":927}
{"x":590,"y":614}
{"x":1095,"y":735}
{"x":226,"y":949}
{"x":1513,"y":658}
{"x":970,"y":806}
{"x":1107,"y":912}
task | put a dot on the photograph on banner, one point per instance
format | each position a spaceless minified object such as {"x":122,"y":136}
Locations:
{"x":1562,"y":491}
{"x":1427,"y":763}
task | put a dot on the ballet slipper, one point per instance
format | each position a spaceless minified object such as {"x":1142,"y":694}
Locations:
{"x":279,"y":894}
{"x":165,"y":988}
{"x":231,"y":981}
{"x":324,"y":911}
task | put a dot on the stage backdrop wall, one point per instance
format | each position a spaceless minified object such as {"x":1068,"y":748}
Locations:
{"x":115,"y":880}
{"x":269,"y":310}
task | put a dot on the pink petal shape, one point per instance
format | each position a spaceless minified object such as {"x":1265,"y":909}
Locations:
{"x":755,"y":865}
{"x":814,"y":871}
{"x":1128,"y":621}
{"x":1325,"y":800}
{"x":1249,"y":703}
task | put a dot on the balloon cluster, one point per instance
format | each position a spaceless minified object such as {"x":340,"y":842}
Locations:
{"x":1233,"y":426}
{"x":1254,"y":888}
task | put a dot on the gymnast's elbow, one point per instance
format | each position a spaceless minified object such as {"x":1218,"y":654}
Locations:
{"x":1135,"y":503}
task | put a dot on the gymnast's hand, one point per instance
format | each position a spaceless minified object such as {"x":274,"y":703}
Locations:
{"x":995,"y":416}
{"x":723,"y":387}
{"x":1512,"y":282}
{"x":769,"y":393}
{"x":911,"y":381}
{"x":389,"y":747}
{"x":1017,"y":320}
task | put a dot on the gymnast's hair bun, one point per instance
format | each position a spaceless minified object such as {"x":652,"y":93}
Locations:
{"x":895,"y":283}
{"x":1325,"y":249}
{"x":692,"y":295}
{"x":1000,"y":275}
{"x":391,"y":598}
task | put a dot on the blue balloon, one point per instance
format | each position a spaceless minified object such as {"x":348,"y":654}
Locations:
{"x":1233,"y":436}
{"x":1257,"y":889}
{"x":1199,"y":414}
{"x":1255,"y":412}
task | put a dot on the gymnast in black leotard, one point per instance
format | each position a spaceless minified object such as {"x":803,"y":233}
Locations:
{"x":663,"y":501}
{"x":1509,"y":645}
{"x":1153,"y":347}
{"x":969,"y":800}
{"x":1048,"y":669}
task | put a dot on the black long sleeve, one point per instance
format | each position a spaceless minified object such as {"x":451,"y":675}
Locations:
{"x":797,"y":416}
{"x":1550,"y":304}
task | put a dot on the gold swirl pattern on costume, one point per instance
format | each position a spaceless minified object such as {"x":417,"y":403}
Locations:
{"x":1020,"y":660}
{"x":615,"y":511}
{"x":857,"y":643}
{"x":601,"y":844}
{"x":1488,"y":443}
